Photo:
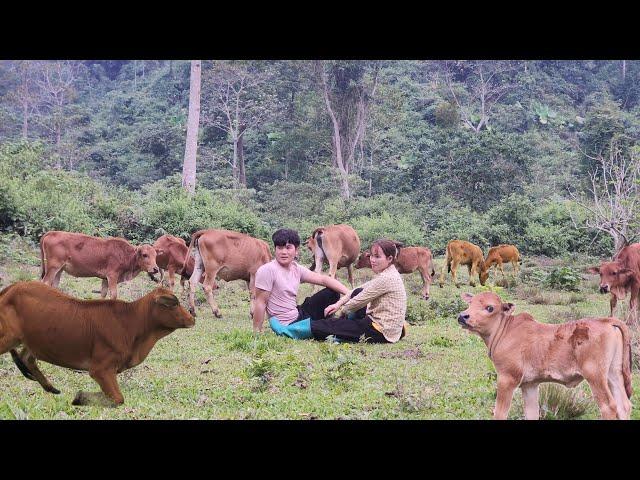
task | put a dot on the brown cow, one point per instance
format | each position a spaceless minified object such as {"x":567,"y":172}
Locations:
{"x":526,"y":353}
{"x":335,"y":245}
{"x":114,"y":260}
{"x":409,"y":260}
{"x":103,"y":337}
{"x":227,"y":255}
{"x":620,"y":277}
{"x":461,"y":252}
{"x":172,"y":254}
{"x":499,"y":255}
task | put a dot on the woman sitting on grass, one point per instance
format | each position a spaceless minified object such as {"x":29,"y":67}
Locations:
{"x":374,"y":312}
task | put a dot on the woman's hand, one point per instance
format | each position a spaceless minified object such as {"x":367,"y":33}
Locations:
{"x":331,"y":309}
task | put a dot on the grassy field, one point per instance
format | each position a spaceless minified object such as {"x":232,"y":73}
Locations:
{"x":220,"y":370}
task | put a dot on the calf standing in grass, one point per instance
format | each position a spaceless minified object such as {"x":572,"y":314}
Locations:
{"x":499,"y":255}
{"x":103,"y":337}
{"x":461,"y":252}
{"x":621,"y":277}
{"x":526,"y":353}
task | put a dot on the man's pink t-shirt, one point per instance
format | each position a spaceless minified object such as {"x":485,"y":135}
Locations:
{"x":283,"y":284}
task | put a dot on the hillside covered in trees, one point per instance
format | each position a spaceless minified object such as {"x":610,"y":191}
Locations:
{"x":523,"y":152}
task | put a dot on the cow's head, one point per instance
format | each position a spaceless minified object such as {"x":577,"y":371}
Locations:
{"x":146,"y":260}
{"x":484,"y":274}
{"x":364,"y":260}
{"x":167,"y":311}
{"x":311,"y":244}
{"x":484,"y":312}
{"x":613,"y":276}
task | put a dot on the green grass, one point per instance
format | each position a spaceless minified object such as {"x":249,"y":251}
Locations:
{"x":220,"y":370}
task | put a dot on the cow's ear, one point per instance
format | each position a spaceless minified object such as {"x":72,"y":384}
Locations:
{"x":467,"y":297}
{"x":508,"y":308}
{"x":595,"y":270}
{"x":167,"y":300}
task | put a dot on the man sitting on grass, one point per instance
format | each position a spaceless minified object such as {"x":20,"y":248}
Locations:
{"x":277,"y":285}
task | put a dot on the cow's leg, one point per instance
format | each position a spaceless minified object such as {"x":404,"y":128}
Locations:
{"x":108,"y":382}
{"x":209,"y":285}
{"x":350,"y":273}
{"x":443,"y":273}
{"x":56,"y":279}
{"x":52,"y":271}
{"x":103,"y":288}
{"x":515,"y":267}
{"x":454,"y":271}
{"x":613,"y":301}
{"x":531,"y":404}
{"x":194,"y":280}
{"x":29,"y":361}
{"x":604,"y":397}
{"x":426,"y":283}
{"x":473,"y":273}
{"x":112,"y":283}
{"x":161,"y":280}
{"x":172,"y":277}
{"x":501,"y":268}
{"x":616,"y":385}
{"x":506,"y":387}
{"x":633,"y":306}
{"x":251,"y":285}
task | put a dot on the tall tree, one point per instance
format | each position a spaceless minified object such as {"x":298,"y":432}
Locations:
{"x":191,"y":148}
{"x":347,"y":89}
{"x":239,"y":97}
{"x":24,"y":95}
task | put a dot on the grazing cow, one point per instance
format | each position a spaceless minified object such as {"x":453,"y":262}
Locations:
{"x":499,"y":255}
{"x":114,"y":260}
{"x":336,"y":245}
{"x":461,"y":252}
{"x":526,"y":353}
{"x":103,"y":337}
{"x":172,"y":254}
{"x":620,"y":277}
{"x":227,"y":255}
{"x":409,"y":260}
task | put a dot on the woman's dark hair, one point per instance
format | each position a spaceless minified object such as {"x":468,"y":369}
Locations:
{"x":388,"y":247}
{"x":284,"y":236}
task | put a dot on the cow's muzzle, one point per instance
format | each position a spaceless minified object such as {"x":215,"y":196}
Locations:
{"x":604,"y":288}
{"x":462,"y":319}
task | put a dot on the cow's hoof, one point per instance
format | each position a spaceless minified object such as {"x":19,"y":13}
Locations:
{"x":79,"y":399}
{"x":218,"y":315}
{"x":52,"y":389}
{"x":425,"y":297}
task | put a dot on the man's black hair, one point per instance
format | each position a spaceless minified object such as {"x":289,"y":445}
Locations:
{"x":284,"y":236}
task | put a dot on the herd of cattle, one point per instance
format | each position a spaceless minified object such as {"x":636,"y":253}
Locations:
{"x":105,"y":337}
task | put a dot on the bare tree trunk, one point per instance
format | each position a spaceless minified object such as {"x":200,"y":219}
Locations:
{"x":191,"y":148}
{"x":241,"y":171}
{"x":25,"y":120}
{"x":234,"y":164}
{"x":624,"y":69}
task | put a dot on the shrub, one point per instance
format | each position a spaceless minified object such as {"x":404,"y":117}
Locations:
{"x":563,"y":278}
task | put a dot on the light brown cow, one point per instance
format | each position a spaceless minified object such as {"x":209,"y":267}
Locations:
{"x":620,"y":277}
{"x":114,"y":260}
{"x":499,"y":255}
{"x":409,"y":260}
{"x":461,"y":252}
{"x":103,"y":337}
{"x":526,"y":353}
{"x":335,"y":245}
{"x":173,"y":252}
{"x":227,"y":255}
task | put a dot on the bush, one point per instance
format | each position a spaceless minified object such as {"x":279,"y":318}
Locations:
{"x":563,"y":278}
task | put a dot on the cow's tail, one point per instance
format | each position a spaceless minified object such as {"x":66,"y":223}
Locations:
{"x":192,"y":244}
{"x":447,"y":258}
{"x":17,"y":359}
{"x":318,"y":236}
{"x":626,"y":356}
{"x":431,"y":267}
{"x":42,"y":256}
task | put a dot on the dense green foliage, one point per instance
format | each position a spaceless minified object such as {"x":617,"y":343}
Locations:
{"x":427,"y":169}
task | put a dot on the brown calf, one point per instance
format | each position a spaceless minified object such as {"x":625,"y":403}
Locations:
{"x":461,"y":252}
{"x":114,"y":260}
{"x":227,"y":255}
{"x":103,"y":337}
{"x":526,"y":353}
{"x":620,"y":277}
{"x":409,"y":260}
{"x":335,"y":245}
{"x":499,"y":255}
{"x":171,"y":257}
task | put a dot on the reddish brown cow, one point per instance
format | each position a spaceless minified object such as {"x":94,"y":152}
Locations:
{"x":335,"y":245}
{"x":409,"y":260}
{"x":499,"y":255}
{"x":526,"y":353}
{"x":227,"y":255}
{"x":114,"y":260}
{"x":461,"y":252}
{"x":173,"y":252}
{"x":620,"y":277}
{"x":103,"y":337}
